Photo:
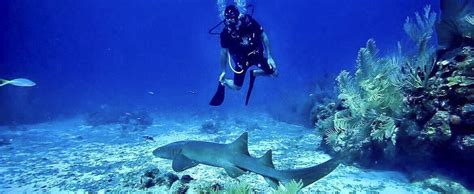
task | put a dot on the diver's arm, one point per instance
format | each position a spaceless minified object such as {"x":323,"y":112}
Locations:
{"x":223,"y":61}
{"x":266,"y":43}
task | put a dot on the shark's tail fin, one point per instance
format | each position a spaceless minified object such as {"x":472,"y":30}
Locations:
{"x":311,"y":174}
{"x":3,"y":82}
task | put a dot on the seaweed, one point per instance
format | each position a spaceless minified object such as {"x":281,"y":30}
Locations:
{"x":240,"y":188}
{"x":291,"y":187}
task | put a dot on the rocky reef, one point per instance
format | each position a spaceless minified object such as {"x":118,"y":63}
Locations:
{"x":412,"y":110}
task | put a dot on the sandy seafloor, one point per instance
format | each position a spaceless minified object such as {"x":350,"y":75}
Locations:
{"x":71,"y":156}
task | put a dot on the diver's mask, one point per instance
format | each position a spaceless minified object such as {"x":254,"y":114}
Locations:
{"x":231,"y":15}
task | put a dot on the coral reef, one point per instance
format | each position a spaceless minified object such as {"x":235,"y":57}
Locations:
{"x":409,"y":110}
{"x":369,"y":105}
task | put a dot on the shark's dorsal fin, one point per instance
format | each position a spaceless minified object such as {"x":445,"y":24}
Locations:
{"x":181,"y":163}
{"x":240,"y":145}
{"x":266,"y":159}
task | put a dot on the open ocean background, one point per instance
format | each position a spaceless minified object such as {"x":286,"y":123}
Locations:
{"x":83,"y":54}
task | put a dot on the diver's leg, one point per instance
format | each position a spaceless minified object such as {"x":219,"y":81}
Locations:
{"x":259,"y":72}
{"x":238,"y":81}
{"x":230,"y":84}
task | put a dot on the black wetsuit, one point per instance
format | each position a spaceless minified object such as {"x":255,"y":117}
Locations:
{"x":245,"y":45}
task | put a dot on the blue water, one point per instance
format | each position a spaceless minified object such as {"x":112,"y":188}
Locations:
{"x":83,"y":54}
{"x":157,"y":56}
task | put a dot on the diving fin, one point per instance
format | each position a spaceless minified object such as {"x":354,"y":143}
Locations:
{"x":219,"y":96}
{"x":249,"y":91}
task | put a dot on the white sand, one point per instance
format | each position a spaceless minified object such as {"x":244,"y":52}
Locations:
{"x":71,"y":156}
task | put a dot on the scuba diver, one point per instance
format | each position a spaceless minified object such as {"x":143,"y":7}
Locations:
{"x":243,"y":40}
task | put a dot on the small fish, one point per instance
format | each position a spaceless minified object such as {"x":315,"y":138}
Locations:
{"x":192,"y":92}
{"x":151,"y":93}
{"x":146,"y":137}
{"x":22,"y":82}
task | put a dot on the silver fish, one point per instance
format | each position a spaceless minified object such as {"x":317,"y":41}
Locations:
{"x":21,"y":82}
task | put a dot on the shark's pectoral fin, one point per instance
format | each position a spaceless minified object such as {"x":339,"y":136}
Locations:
{"x":234,"y":171}
{"x":181,"y":163}
{"x":272,"y":182}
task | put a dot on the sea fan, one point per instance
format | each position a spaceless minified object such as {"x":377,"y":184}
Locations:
{"x":384,"y":128}
{"x":344,"y":121}
{"x":372,"y":98}
{"x":366,"y":61}
{"x":418,"y":69}
{"x":423,"y":25}
{"x":331,"y":135}
{"x":350,"y":93}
